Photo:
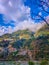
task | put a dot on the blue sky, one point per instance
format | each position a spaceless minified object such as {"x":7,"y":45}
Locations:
{"x":35,"y":8}
{"x":17,"y":15}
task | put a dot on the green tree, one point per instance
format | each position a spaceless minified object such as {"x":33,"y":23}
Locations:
{"x":44,"y":62}
{"x":31,"y":63}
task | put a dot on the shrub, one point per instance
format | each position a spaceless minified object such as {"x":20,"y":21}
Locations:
{"x":44,"y":62}
{"x":31,"y":63}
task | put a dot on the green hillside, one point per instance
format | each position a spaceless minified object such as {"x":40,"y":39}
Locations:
{"x":41,"y":43}
{"x":38,"y":41}
{"x":42,"y":31}
{"x":17,"y":39}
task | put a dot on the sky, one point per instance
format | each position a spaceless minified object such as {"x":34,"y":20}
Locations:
{"x":17,"y":15}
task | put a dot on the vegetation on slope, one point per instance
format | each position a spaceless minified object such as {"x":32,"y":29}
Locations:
{"x":38,"y":41}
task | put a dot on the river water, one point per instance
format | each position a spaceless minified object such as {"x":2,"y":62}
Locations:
{"x":16,"y":63}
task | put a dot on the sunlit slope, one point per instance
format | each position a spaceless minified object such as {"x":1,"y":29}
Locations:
{"x":18,"y":38}
{"x":43,"y":31}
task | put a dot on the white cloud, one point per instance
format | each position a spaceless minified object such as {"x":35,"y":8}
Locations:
{"x":29,"y":24}
{"x":4,"y":30}
{"x":26,"y":24}
{"x":47,"y":19}
{"x":14,"y":9}
{"x":9,"y":29}
{"x":40,"y":13}
{"x":10,"y":4}
{"x":2,"y":9}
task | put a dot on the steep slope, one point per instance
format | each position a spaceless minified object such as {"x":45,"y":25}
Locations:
{"x":17,"y":39}
{"x":43,"y":31}
{"x":42,"y":36}
{"x":41,"y":43}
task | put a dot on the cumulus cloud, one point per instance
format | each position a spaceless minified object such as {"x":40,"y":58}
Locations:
{"x":47,"y":19}
{"x":26,"y":24}
{"x":4,"y":30}
{"x":29,"y":24}
{"x":20,"y":14}
{"x":14,"y":10}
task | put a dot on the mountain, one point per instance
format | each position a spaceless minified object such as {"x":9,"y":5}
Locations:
{"x":17,"y":39}
{"x":42,"y":36}
{"x":41,"y":43}
{"x":22,"y":39}
{"x":42,"y":31}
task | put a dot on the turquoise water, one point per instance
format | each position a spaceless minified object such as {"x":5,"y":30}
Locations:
{"x":16,"y":63}
{"x":13,"y":63}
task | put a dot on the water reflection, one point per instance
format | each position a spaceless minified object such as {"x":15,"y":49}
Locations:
{"x":13,"y":63}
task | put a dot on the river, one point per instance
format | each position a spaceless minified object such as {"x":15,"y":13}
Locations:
{"x":16,"y":63}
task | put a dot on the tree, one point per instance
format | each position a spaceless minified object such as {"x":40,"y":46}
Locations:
{"x":42,"y":6}
{"x":44,"y":62}
{"x":31,"y":63}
